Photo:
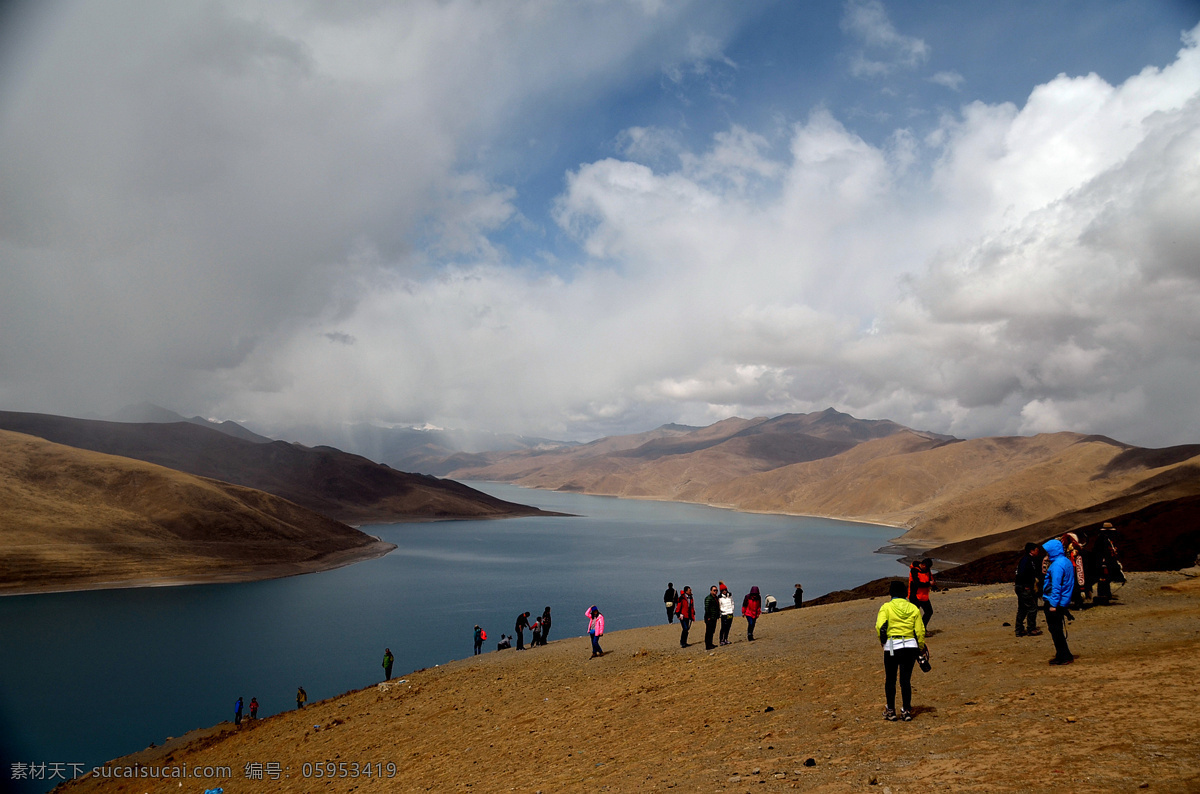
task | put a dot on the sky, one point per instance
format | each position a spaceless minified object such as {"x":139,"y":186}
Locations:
{"x":578,"y":218}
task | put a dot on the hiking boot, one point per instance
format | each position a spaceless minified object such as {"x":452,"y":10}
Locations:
{"x":1068,"y":660}
{"x":1034,"y":632}
{"x":889,"y":715}
{"x":1020,"y":634}
{"x":906,"y":715}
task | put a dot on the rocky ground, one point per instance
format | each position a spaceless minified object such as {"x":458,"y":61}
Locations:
{"x":799,"y":708}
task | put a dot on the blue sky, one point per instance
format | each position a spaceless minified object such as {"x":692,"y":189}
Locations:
{"x":574,"y":219}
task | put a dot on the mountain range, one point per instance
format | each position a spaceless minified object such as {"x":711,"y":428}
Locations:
{"x":963,"y":498}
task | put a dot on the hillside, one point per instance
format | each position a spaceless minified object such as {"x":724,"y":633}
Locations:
{"x":71,"y":518}
{"x":799,"y":708}
{"x":940,"y":490}
{"x":336,"y":484}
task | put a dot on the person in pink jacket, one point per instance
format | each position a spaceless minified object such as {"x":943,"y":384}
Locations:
{"x":595,"y":629}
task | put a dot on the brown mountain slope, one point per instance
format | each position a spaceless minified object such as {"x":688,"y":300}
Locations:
{"x":683,"y":465}
{"x":942,"y":490}
{"x":331,"y":482}
{"x":71,"y":518}
{"x":972,"y":489}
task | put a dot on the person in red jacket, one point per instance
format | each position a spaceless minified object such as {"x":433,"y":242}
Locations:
{"x":685,"y":609}
{"x":751,"y":609}
{"x":920,"y":582}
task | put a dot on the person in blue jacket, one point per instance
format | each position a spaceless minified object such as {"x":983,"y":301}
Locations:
{"x":1057,"y":590}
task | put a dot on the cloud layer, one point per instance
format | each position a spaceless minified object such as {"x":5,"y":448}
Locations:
{"x":283,"y":223}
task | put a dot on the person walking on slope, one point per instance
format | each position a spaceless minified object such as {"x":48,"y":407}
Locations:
{"x":798,"y":596}
{"x":595,"y":629}
{"x":751,"y":609}
{"x":725,"y":601}
{"x":301,"y":697}
{"x":685,"y":608}
{"x":1026,"y":587}
{"x":388,"y":660}
{"x":901,"y":631}
{"x":480,"y":636}
{"x":1056,"y":596}
{"x":670,"y":598}
{"x":712,"y":613}
{"x":522,"y":624}
{"x":920,"y":582}
{"x":545,"y":625}
{"x":237,"y":712}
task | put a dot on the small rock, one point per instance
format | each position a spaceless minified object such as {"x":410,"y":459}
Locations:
{"x":754,"y":771}
{"x":735,"y":779}
{"x":1071,"y":719}
{"x":1006,"y":623}
{"x":873,"y":781}
{"x":1144,"y":785}
{"x":810,"y":762}
{"x":780,"y":775}
{"x":769,"y":708}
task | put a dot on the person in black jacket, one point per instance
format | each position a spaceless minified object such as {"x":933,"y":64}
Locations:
{"x":670,"y":598}
{"x":546,"y":625}
{"x":522,"y":624}
{"x":1026,"y":586}
{"x":712,"y":612}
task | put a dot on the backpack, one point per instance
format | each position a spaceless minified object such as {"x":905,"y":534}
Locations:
{"x":482,"y":634}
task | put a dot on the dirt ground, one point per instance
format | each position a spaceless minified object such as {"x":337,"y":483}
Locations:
{"x":799,"y":708}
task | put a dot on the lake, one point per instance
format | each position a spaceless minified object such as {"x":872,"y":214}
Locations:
{"x":89,"y":676}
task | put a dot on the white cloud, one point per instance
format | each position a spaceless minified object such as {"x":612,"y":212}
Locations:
{"x":1037,"y":278}
{"x":268,"y":212}
{"x":884,"y":48}
{"x":951,"y":80}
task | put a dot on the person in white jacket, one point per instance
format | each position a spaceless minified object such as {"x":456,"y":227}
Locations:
{"x":725,"y":601}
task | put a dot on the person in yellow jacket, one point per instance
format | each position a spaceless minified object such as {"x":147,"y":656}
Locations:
{"x":901,"y":631}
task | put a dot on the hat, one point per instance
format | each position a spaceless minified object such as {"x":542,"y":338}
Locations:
{"x":1107,"y":525}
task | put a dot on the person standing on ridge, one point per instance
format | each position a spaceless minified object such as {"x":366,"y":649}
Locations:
{"x":545,"y":625}
{"x":595,"y":629}
{"x":237,"y":712}
{"x":536,"y":628}
{"x":1026,"y":587}
{"x":1056,"y":596}
{"x":301,"y":697}
{"x":388,"y":660}
{"x":670,"y":598}
{"x":901,"y":632}
{"x":685,"y":608}
{"x":751,"y":609}
{"x":920,"y":582}
{"x":480,"y":636}
{"x":798,"y":596}
{"x":712,"y":613}
{"x":522,"y":624}
{"x":253,"y":708}
{"x":725,"y":601}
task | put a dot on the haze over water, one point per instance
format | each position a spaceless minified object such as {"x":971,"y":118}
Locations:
{"x":90,"y":676}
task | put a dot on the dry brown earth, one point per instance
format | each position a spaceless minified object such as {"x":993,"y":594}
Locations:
{"x":72,"y":519}
{"x":649,"y":715}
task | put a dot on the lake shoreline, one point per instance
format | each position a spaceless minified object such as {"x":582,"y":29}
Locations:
{"x":254,"y":573}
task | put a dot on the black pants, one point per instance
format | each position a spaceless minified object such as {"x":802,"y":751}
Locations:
{"x":387,"y":671}
{"x":901,"y":661}
{"x":710,"y":628}
{"x":670,"y":613}
{"x":726,"y":622}
{"x":684,"y":624}
{"x":926,"y":611}
{"x":1058,"y":632}
{"x":545,"y":634}
{"x":520,"y":639}
{"x":1027,"y":607}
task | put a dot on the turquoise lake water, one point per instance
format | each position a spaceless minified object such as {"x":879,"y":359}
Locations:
{"x":86,"y":677}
